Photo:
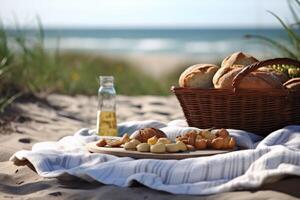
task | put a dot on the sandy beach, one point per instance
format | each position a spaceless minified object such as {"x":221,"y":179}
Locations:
{"x":157,"y":65}
{"x":35,"y":120}
{"x":160,"y":65}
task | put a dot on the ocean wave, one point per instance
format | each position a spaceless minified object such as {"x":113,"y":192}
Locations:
{"x":155,"y":44}
{"x":151,"y":45}
{"x":208,"y":47}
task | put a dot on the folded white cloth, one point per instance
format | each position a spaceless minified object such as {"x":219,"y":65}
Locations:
{"x":265,"y":160}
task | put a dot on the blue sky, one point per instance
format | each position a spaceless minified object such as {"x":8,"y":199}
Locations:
{"x":143,"y":13}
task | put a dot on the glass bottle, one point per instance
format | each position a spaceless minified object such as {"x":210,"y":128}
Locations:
{"x":106,"y":115}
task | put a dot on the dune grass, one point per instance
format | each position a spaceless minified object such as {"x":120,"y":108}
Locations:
{"x":77,"y":73}
{"x":291,"y":49}
{"x":81,"y":71}
{"x":6,"y":57}
{"x":29,"y":68}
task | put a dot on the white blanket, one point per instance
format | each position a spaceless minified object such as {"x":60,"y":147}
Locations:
{"x":265,"y":160}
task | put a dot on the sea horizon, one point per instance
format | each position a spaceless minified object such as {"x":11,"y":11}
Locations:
{"x":189,"y":41}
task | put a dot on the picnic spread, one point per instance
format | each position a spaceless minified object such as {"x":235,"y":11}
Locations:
{"x":242,"y":129}
{"x":265,"y":160}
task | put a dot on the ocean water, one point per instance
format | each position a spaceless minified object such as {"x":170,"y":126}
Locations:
{"x":193,"y":42}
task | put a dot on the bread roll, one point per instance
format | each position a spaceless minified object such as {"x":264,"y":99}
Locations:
{"x":198,"y":76}
{"x":238,"y":59}
{"x":131,"y":145}
{"x":200,"y":144}
{"x":172,"y":148}
{"x":293,"y":84}
{"x":164,"y":140}
{"x":255,"y":80}
{"x":125,"y":138}
{"x":158,"y":148}
{"x":101,"y":143}
{"x":282,"y":76}
{"x":217,"y":143}
{"x":143,"y":147}
{"x":153,"y":140}
{"x":181,"y":146}
{"x":144,"y":134}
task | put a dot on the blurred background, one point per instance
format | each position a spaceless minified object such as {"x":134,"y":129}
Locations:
{"x":64,"y":45}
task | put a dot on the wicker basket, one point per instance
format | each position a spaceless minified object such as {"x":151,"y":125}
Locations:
{"x":259,"y":111}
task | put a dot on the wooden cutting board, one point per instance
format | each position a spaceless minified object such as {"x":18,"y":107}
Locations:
{"x":121,"y":152}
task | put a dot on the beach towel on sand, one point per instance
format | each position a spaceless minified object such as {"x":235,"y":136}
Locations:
{"x":265,"y":160}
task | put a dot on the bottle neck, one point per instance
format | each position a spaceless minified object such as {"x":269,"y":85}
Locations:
{"x":106,"y":81}
{"x":107,"y":85}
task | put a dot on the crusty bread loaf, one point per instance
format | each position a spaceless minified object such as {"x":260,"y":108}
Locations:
{"x":263,"y":78}
{"x":198,"y":76}
{"x":255,"y":80}
{"x":144,"y":134}
{"x":293,"y":84}
{"x":238,"y":59}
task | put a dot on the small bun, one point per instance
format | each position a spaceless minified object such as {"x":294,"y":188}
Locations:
{"x":144,"y":134}
{"x":282,"y":76}
{"x":238,"y":59}
{"x":198,"y":76}
{"x":293,"y":84}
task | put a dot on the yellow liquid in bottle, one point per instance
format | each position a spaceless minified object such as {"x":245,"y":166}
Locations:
{"x":107,"y":123}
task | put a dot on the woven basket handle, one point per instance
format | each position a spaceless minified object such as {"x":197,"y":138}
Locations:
{"x":250,"y":68}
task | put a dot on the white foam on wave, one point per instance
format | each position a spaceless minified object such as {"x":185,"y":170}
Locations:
{"x":111,"y":44}
{"x":211,"y":46}
{"x":155,"y":44}
{"x":128,"y":45}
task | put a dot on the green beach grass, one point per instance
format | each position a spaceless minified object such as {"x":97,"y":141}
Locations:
{"x":31,"y":69}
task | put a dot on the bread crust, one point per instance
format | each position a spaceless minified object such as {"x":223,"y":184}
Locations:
{"x":218,"y":80}
{"x":282,"y":76}
{"x":198,"y":76}
{"x":263,"y":78}
{"x":144,"y":134}
{"x":255,"y":80}
{"x":238,"y":59}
